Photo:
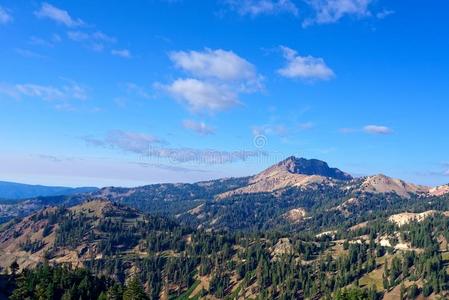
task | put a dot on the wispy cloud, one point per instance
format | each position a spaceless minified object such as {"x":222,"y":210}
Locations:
{"x":377,"y":129}
{"x":446,"y":173}
{"x":58,"y":15}
{"x":270,"y":129}
{"x":5,"y":17}
{"x":124,"y":53}
{"x":78,"y":31}
{"x":200,"y":95}
{"x":204,"y":156}
{"x":38,"y":41}
{"x":72,"y":90}
{"x":177,"y":169}
{"x":323,"y":11}
{"x":126,"y":141}
{"x":28,"y":53}
{"x":443,"y":171}
{"x":198,"y":127}
{"x":96,"y":41}
{"x":217,"y":77}
{"x":150,"y":147}
{"x":137,"y":90}
{"x":306,"y":126}
{"x":331,"y":11}
{"x":261,"y":7}
{"x":304,"y":67}
{"x":57,"y":159}
{"x":384,"y":13}
{"x":369,"y":129}
{"x":219,"y":64}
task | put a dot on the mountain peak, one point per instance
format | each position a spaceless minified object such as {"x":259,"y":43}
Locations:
{"x":439,"y":190}
{"x":383,"y":184}
{"x":305,"y":166}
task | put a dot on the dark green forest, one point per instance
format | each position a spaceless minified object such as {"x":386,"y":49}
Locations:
{"x":233,"y":261}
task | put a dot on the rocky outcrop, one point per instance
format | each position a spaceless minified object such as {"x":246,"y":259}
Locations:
{"x":439,"y":190}
{"x":295,"y":215}
{"x":291,"y":172}
{"x":381,"y":184}
{"x":309,"y":167}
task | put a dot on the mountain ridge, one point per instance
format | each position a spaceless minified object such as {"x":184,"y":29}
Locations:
{"x":311,"y":167}
{"x":15,"y":191}
{"x":197,"y":202}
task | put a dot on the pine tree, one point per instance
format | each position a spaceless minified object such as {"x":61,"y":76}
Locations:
{"x":134,"y":290}
{"x":115,"y":292}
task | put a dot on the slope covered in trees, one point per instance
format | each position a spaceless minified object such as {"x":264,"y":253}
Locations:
{"x":100,"y":248}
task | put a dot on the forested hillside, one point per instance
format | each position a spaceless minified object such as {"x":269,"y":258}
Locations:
{"x":124,"y":251}
{"x":276,"y":235}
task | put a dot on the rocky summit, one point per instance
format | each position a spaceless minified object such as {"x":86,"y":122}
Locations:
{"x":311,"y":167}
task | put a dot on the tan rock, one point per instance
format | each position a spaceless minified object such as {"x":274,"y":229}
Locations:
{"x":380,"y":184}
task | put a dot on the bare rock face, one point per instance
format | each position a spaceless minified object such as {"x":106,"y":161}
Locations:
{"x":291,"y":172}
{"x":439,"y":190}
{"x":282,"y":247}
{"x":407,"y":217}
{"x":295,"y":215}
{"x":380,"y":184}
{"x":311,"y":167}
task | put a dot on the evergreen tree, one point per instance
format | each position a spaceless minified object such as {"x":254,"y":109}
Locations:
{"x":134,"y":290}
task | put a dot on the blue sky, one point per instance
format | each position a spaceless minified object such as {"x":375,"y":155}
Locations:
{"x":137,"y":92}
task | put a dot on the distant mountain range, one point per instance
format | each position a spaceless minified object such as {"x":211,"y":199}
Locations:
{"x":274,"y":234}
{"x":13,"y":190}
{"x":295,"y":191}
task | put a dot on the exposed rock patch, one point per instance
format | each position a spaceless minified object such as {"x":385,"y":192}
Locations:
{"x":407,"y":217}
{"x":381,"y":184}
{"x":292,"y":172}
{"x":295,"y":215}
{"x":439,"y":190}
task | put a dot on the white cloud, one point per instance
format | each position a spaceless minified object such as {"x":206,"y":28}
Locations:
{"x":203,"y":156}
{"x":58,"y":15}
{"x":126,"y":141}
{"x":37,"y":41}
{"x":132,"y":88}
{"x":271,"y":129}
{"x":217,"y":79}
{"x":5,"y":17}
{"x":28,"y":53}
{"x":201,"y":95}
{"x":45,"y":92}
{"x":376,"y":129}
{"x":78,"y":36}
{"x":95,"y":41}
{"x":125,"y":53}
{"x":198,"y":127}
{"x":97,"y":36}
{"x":306,"y":126}
{"x":304,"y":67}
{"x":152,"y":148}
{"x":219,"y":64}
{"x":260,"y":7}
{"x":331,"y":11}
{"x":370,"y":129}
{"x":384,"y":13}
